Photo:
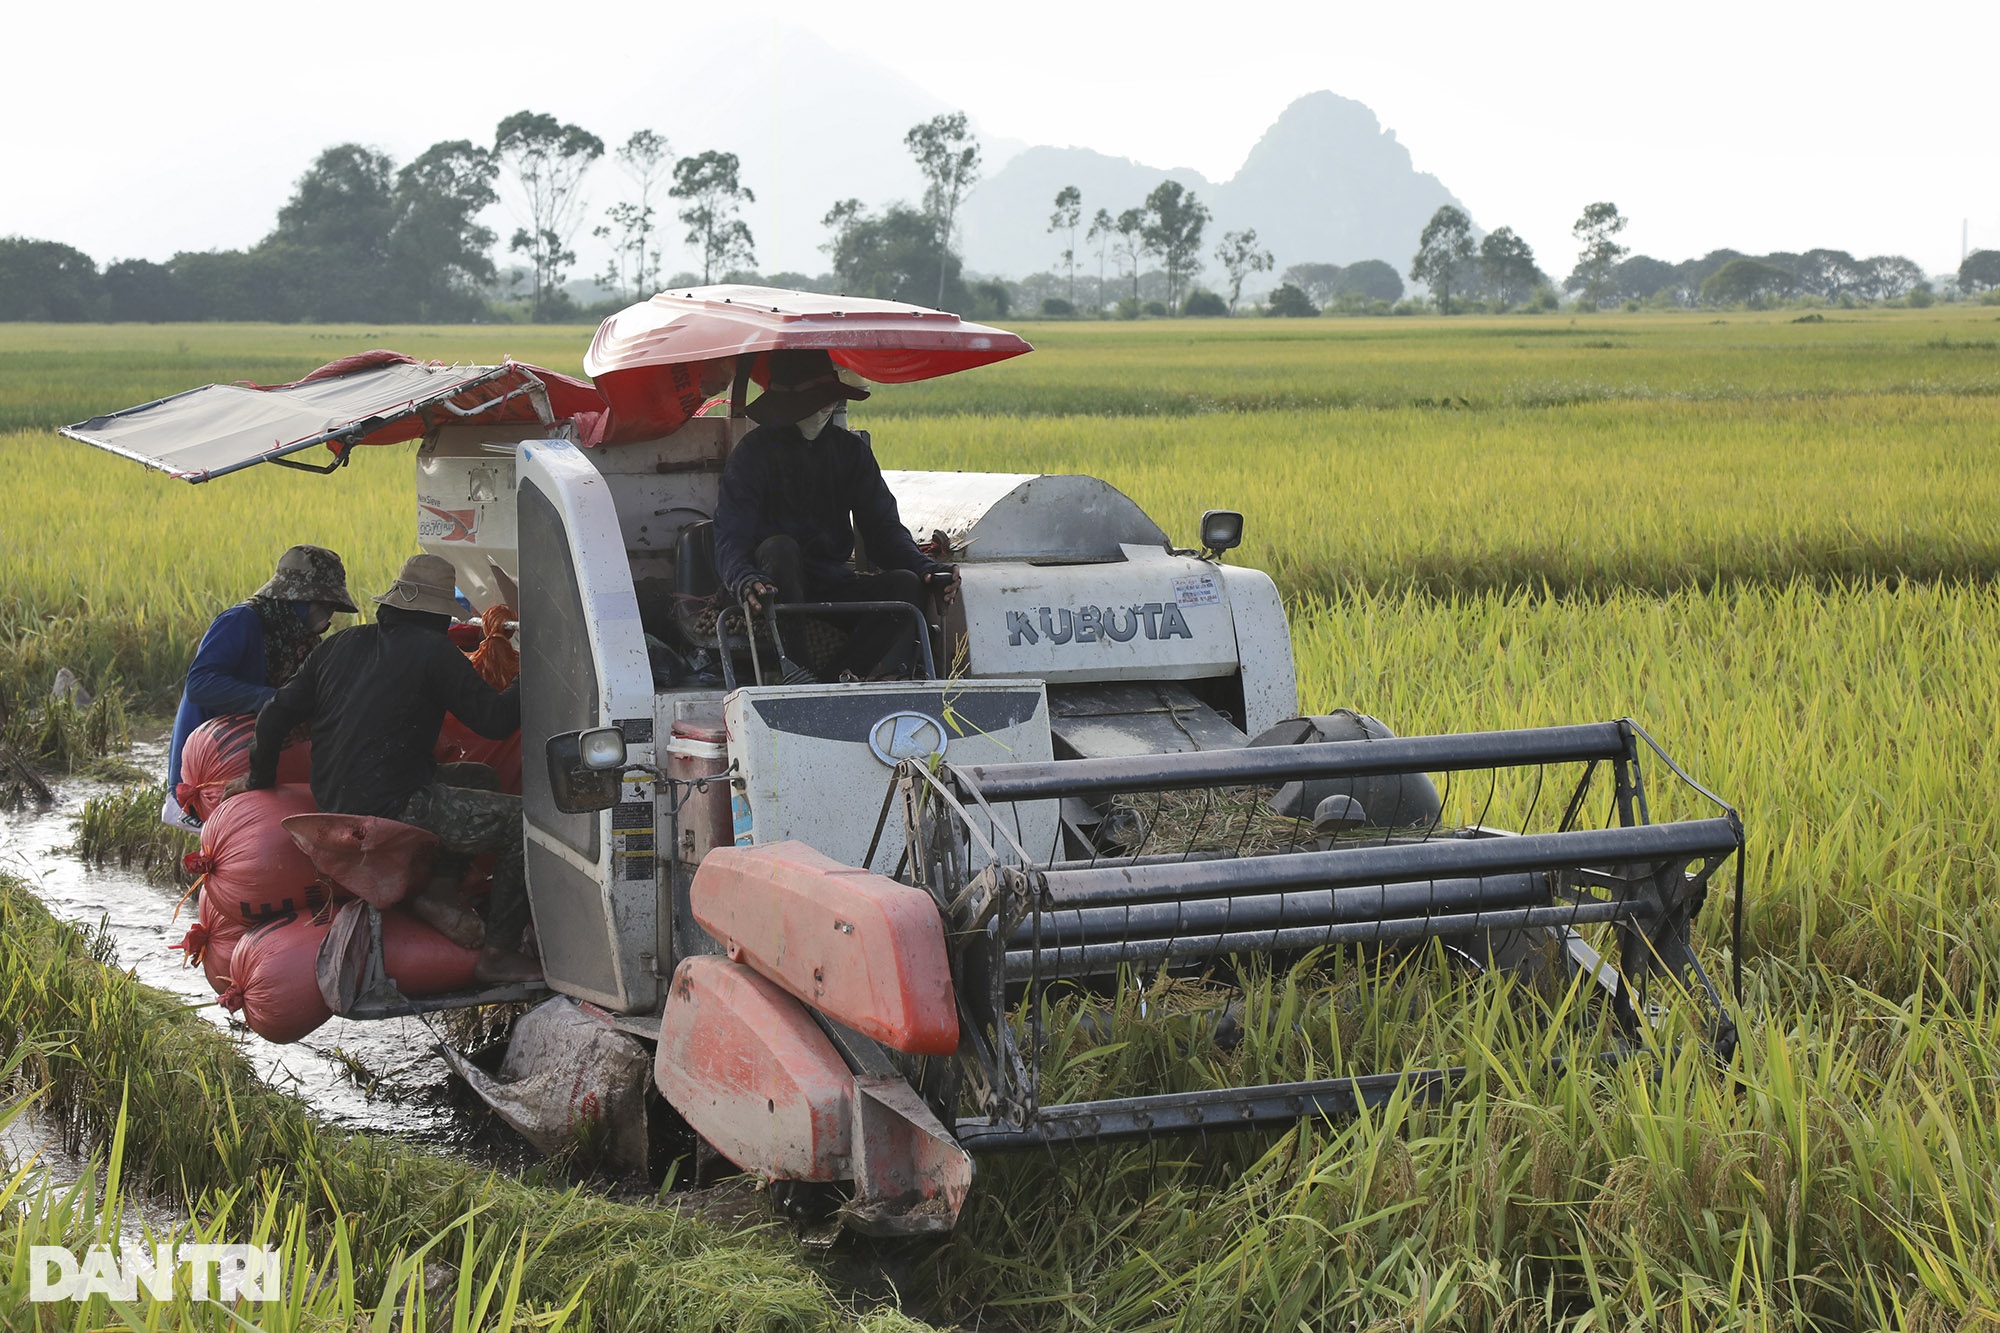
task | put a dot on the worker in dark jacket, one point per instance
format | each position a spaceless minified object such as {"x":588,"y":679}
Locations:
{"x":254,"y":647}
{"x":376,"y":696}
{"x":795,"y":491}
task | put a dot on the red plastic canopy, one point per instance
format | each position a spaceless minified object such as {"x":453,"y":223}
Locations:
{"x":657,"y":362}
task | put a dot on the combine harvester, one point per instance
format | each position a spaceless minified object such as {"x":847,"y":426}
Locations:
{"x":810,"y":913}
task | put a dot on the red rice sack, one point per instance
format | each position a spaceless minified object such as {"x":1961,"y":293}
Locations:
{"x":381,"y":861}
{"x":211,"y":941}
{"x":420,"y":960}
{"x":251,"y":866}
{"x":218,"y":752}
{"x":273,"y":982}
{"x":417,"y":958}
{"x":458,"y":743}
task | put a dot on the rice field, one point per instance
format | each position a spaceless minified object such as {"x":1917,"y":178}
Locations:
{"x":1773,"y":543}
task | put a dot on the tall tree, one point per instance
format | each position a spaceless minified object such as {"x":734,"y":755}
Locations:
{"x":47,"y":280}
{"x":1371,"y":279}
{"x":345,"y":201}
{"x":1600,"y":254}
{"x":1508,"y":262}
{"x":548,"y":161}
{"x":1747,"y":281}
{"x":1241,"y":256}
{"x":635,"y":245}
{"x":1174,"y":223}
{"x":1131,"y":247}
{"x":1066,"y":218}
{"x":1890,"y":276}
{"x":1979,"y":271}
{"x":439,"y":255}
{"x":709,"y":184}
{"x":329,"y":254}
{"x":948,"y":156}
{"x":891,"y":257}
{"x":1446,"y":244}
{"x":1316,"y":282}
{"x":1831,"y":273}
{"x":1102,"y":229}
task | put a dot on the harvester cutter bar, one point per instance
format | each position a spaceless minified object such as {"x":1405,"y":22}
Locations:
{"x":1444,"y":858}
{"x":1055,"y":961}
{"x":1205,"y":1110}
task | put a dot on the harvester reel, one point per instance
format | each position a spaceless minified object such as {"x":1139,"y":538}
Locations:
{"x":1208,"y":874}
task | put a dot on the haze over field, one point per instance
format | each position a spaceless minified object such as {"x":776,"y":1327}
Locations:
{"x":149,"y":131}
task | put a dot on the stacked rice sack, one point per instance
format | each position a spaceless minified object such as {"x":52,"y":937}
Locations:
{"x":266,"y":908}
{"x":218,"y":752}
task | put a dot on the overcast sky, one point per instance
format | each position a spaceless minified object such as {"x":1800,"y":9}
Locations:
{"x":136,"y":130}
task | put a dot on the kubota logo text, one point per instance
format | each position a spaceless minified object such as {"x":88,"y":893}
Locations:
{"x":1097,"y":624}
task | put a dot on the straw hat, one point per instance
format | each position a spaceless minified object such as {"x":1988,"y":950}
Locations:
{"x":801,"y":383}
{"x":309,"y":574}
{"x":426,"y":583}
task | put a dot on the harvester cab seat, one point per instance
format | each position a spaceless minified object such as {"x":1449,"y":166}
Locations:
{"x":697,"y":608}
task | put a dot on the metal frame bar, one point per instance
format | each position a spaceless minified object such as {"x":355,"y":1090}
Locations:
{"x":1447,"y":858}
{"x":916,"y":615}
{"x":1209,"y":1109}
{"x":347,"y":435}
{"x":1270,"y":765}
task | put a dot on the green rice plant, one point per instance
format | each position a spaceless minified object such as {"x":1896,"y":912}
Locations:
{"x":64,"y":737}
{"x":319,"y":1287}
{"x":123,"y":827}
{"x":1850,"y":727}
{"x":1757,"y":452}
{"x":1841,"y":1166}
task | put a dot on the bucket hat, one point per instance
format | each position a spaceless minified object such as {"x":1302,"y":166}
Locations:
{"x":801,"y":383}
{"x":309,"y":574}
{"x":426,"y":583}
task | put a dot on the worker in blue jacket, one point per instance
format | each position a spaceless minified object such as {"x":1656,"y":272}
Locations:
{"x":254,"y":647}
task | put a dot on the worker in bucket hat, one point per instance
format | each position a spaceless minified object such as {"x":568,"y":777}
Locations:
{"x":254,"y":647}
{"x":796,"y":492}
{"x":376,"y":696}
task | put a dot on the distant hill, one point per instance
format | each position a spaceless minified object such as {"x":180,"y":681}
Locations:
{"x":1325,"y":184}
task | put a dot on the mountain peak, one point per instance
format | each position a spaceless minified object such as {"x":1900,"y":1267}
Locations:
{"x":1327,"y":182}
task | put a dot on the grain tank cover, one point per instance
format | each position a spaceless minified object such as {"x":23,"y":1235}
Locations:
{"x":1023,"y":515}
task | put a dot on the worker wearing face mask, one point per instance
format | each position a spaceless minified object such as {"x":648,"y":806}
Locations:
{"x":795,"y":493}
{"x":253,"y":648}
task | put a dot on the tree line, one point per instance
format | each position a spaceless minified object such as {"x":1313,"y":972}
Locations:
{"x":1500,"y":273}
{"x":363,"y":239}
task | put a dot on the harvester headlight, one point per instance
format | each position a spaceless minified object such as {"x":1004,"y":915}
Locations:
{"x":584,"y":768}
{"x":603,"y":748}
{"x":1221,"y":530}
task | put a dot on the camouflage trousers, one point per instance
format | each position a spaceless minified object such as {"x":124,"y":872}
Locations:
{"x":468,"y":821}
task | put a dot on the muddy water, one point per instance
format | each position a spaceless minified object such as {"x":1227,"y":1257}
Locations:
{"x":384,"y":1076}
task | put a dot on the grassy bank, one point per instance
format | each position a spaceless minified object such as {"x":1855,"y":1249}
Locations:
{"x":198,"y":1124}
